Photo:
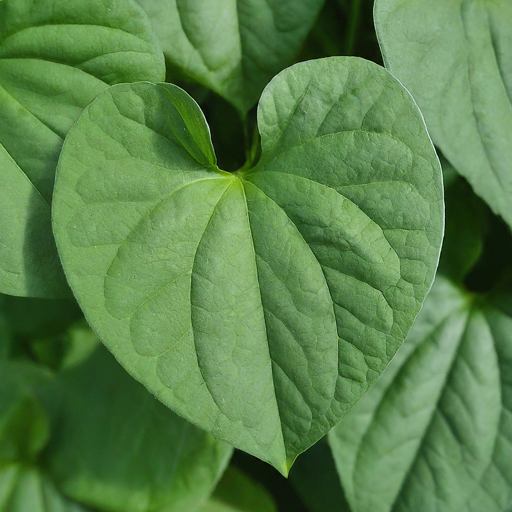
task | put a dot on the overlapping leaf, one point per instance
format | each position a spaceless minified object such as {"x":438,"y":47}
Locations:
{"x":435,"y":433}
{"x":456,"y":59}
{"x":259,"y":305}
{"x":55,"y":57}
{"x":233,"y":47}
{"x":115,"y":447}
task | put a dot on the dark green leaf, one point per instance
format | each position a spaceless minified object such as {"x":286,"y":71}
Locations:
{"x":32,"y":318}
{"x":467,"y":218}
{"x":456,"y":59}
{"x":234,"y":48}
{"x":24,"y":425}
{"x":259,"y":305}
{"x":55,"y":57}
{"x":115,"y":447}
{"x":316,"y":481}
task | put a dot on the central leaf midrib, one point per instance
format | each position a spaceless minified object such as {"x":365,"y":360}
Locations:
{"x":192,"y":302}
{"x":323,"y":274}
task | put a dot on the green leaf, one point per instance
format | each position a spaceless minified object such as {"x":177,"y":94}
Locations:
{"x":259,"y":305}
{"x":435,"y":433}
{"x":24,"y":425}
{"x":115,"y":447}
{"x":235,"y":47}
{"x":55,"y":57}
{"x":456,"y":59}
{"x":238,"y":493}
{"x":25,"y":488}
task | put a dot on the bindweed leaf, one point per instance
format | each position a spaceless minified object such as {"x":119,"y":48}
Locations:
{"x":260,"y":305}
{"x":55,"y":57}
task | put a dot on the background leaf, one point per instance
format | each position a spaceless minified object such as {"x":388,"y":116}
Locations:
{"x":434,"y":433}
{"x":115,"y":447}
{"x":234,"y":47}
{"x":456,"y":59}
{"x":55,"y":57}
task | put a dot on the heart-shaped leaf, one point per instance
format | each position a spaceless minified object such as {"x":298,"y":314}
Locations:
{"x":115,"y":447}
{"x":55,"y":57}
{"x":456,"y":59}
{"x":260,"y":305}
{"x":435,"y":433}
{"x":233,"y":47}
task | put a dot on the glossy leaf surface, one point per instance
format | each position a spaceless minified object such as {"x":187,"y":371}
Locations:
{"x":115,"y":447}
{"x":435,"y":432}
{"x":233,"y":47}
{"x":55,"y":57}
{"x":456,"y":60}
{"x":259,"y":305}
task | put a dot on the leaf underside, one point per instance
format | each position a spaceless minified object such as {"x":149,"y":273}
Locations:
{"x":456,"y":59}
{"x":260,"y":305}
{"x":55,"y":58}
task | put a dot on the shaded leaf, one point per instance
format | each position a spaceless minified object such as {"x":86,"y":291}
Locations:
{"x":24,"y":424}
{"x":316,"y":481}
{"x":115,"y":447}
{"x":55,"y":57}
{"x":259,"y":305}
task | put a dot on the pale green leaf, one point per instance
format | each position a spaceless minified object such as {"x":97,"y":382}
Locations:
{"x":435,"y":433}
{"x":455,"y":57}
{"x":238,"y":493}
{"x":259,"y":305}
{"x":115,"y":447}
{"x":232,"y":46}
{"x":55,"y":57}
